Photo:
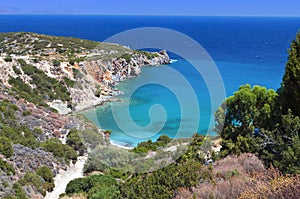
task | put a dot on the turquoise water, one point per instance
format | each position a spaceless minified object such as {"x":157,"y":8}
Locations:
{"x":151,"y":94}
{"x":245,"y":49}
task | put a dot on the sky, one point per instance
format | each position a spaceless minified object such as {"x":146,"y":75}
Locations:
{"x":283,"y":8}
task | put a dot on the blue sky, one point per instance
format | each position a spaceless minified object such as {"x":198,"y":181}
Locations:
{"x":154,"y":7}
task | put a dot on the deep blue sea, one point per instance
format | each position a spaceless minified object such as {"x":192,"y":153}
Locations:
{"x":245,"y":50}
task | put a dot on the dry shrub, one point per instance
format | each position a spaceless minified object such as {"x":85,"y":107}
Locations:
{"x":285,"y":187}
{"x":231,"y":176}
{"x":244,"y":177}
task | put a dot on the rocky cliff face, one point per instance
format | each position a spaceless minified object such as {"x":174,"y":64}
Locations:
{"x":93,"y":72}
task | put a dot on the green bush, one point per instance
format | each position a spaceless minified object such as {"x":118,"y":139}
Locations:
{"x":145,"y":147}
{"x":16,"y":70}
{"x":127,"y":57}
{"x":163,"y":140}
{"x":69,"y":83}
{"x":74,"y":140}
{"x":60,"y":150}
{"x":26,"y":113}
{"x":47,"y":175}
{"x":56,"y":63}
{"x":8,"y":59}
{"x":7,"y":168}
{"x":6,"y":147}
{"x":47,"y":88}
{"x":19,"y":192}
{"x":96,"y":186}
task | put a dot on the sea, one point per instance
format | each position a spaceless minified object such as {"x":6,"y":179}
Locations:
{"x":250,"y":50}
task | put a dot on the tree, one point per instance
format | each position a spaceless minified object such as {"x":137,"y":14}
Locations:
{"x":290,"y":87}
{"x":247,"y":109}
{"x":163,"y":140}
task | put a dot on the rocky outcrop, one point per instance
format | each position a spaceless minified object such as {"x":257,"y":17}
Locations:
{"x":94,"y":67}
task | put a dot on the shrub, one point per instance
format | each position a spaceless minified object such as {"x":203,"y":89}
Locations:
{"x":16,"y":70}
{"x":68,"y":82}
{"x":96,"y":186}
{"x":6,"y":147}
{"x":127,"y":57}
{"x":7,"y":168}
{"x":74,"y":140}
{"x":8,"y":59}
{"x":56,"y":63}
{"x":26,"y":113}
{"x":19,"y":192}
{"x":163,"y":140}
{"x":108,"y":132}
{"x":60,"y":150}
{"x":45,"y":173}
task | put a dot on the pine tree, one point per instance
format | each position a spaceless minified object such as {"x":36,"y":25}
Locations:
{"x":290,"y":88}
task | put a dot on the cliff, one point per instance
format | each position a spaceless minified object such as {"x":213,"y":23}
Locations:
{"x":88,"y":69}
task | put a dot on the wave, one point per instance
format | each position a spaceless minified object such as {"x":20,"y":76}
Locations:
{"x":173,"y":61}
{"x":121,"y":145}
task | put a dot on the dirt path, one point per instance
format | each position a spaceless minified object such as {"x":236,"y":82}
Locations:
{"x":62,"y":179}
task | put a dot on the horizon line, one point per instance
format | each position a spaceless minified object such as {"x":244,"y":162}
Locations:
{"x":145,"y":15}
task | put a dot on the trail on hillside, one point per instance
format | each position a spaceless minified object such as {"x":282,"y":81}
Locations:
{"x":62,"y":179}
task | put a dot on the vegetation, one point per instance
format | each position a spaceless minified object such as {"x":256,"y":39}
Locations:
{"x":16,"y":70}
{"x":263,"y":122}
{"x":95,"y":186}
{"x":162,"y":183}
{"x":47,"y":176}
{"x":127,"y":57}
{"x":257,"y":121}
{"x":6,"y":147}
{"x":8,"y":59}
{"x":149,"y":55}
{"x":7,"y":168}
{"x":74,"y":140}
{"x":46,"y":88}
{"x":60,"y":150}
{"x":145,"y":147}
{"x":42,"y":180}
{"x":290,"y":92}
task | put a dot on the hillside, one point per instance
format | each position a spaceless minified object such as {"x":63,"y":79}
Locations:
{"x":43,"y":80}
{"x":46,"y":81}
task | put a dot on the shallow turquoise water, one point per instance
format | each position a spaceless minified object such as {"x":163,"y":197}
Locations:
{"x":141,"y":101}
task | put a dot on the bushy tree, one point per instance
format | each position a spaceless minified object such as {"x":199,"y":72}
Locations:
{"x":74,"y":140}
{"x":247,"y":109}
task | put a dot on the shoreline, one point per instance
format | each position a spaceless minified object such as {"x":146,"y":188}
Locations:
{"x":119,"y":145}
{"x":101,"y":102}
